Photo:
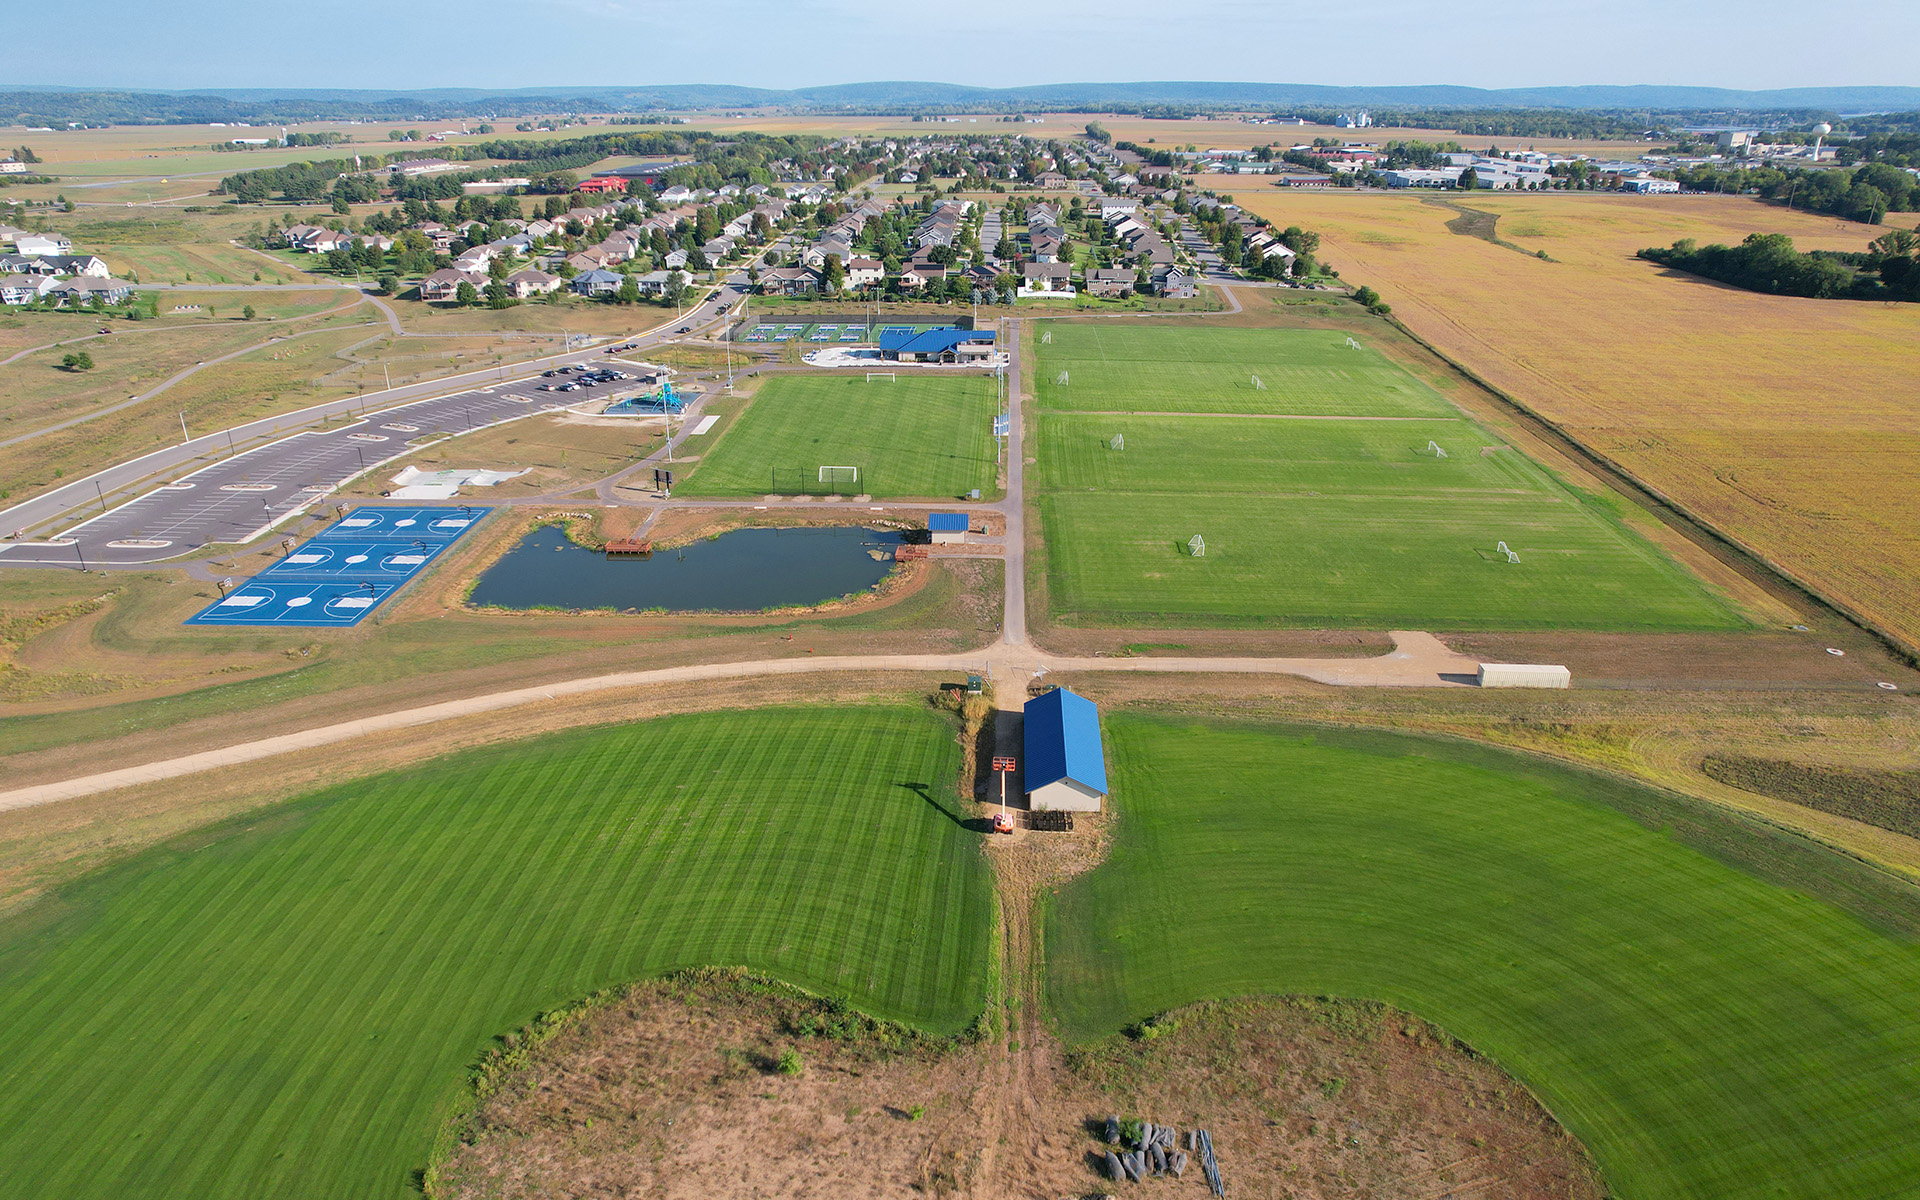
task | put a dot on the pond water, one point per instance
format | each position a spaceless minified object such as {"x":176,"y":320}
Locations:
{"x":742,"y":571}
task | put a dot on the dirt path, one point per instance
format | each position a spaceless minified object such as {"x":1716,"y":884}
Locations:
{"x":1418,"y":660}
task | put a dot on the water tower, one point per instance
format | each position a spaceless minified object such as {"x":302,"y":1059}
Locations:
{"x":1819,"y":131}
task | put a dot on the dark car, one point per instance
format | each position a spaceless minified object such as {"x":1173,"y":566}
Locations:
{"x":684,"y":329}
{"x":548,"y":374}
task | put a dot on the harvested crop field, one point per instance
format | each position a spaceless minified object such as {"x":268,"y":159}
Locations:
{"x":1786,"y":423}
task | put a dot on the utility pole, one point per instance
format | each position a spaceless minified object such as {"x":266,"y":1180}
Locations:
{"x":184,"y":439}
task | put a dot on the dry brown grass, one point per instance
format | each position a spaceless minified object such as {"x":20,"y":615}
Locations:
{"x":1785,"y":423}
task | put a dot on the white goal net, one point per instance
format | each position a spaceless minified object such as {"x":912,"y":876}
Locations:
{"x":1197,"y":546}
{"x":839,"y":474}
{"x":873,"y":375}
{"x":1060,"y":380}
{"x":1434,"y":449}
{"x":1119,"y":442}
{"x":1503,"y":548}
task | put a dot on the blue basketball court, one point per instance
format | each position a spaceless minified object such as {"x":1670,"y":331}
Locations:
{"x":345,"y":572}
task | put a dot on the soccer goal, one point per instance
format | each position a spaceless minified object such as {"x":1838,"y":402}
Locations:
{"x":1197,"y":546}
{"x":1060,"y":380}
{"x":847,"y":475}
{"x":1119,"y":442}
{"x":1046,"y":339}
{"x":873,"y":375}
{"x":1503,"y":548}
{"x":1259,"y":384}
{"x":1352,"y":345}
{"x":1433,"y":448}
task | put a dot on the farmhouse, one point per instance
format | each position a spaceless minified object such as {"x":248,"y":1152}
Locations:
{"x":1066,"y":766}
{"x":947,"y":528}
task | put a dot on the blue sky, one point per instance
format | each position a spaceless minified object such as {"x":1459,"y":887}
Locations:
{"x":796,"y":43}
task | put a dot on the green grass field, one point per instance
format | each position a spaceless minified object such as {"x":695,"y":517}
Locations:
{"x":924,"y":435}
{"x":1331,"y":516}
{"x":1366,"y":561}
{"x":284,"y":1005}
{"x":1182,"y":368}
{"x":1704,"y":1032}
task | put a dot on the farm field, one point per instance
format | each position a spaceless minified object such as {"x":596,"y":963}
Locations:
{"x":922,"y":435}
{"x":1784,"y":422}
{"x":1704,"y":1032}
{"x":1155,"y":367}
{"x":285,"y":1004}
{"x":1332,"y":514}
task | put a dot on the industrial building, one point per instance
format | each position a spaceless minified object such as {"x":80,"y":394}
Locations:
{"x":1066,"y":765}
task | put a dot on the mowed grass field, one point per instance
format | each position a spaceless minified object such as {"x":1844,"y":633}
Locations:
{"x":1183,"y":368}
{"x":1786,"y":423}
{"x":1329,"y":509}
{"x":284,"y":1005}
{"x":1704,"y":1032}
{"x":922,"y":435}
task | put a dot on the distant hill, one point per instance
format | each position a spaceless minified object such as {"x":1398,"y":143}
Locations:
{"x":41,"y":105}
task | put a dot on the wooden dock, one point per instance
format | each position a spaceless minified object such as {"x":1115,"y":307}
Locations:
{"x":629,"y":546}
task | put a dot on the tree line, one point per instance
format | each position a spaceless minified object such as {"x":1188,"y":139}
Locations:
{"x":1866,"y":193}
{"x":1889,"y":269}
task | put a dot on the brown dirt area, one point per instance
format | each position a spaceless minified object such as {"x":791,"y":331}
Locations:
{"x":674,"y":1090}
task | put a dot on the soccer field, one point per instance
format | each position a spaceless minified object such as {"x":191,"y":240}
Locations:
{"x":1183,"y":368}
{"x":1704,"y":1032}
{"x":1341,"y":517}
{"x":1368,"y":561}
{"x":285,"y":1005}
{"x":921,"y":435}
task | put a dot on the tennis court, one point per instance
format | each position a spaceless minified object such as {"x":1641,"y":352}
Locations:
{"x":345,"y":572}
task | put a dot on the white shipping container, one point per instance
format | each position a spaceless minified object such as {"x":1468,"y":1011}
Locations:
{"x":1533,"y":675}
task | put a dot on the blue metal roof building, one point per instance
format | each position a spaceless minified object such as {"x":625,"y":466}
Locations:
{"x":947,"y":522}
{"x":929,"y":345}
{"x":1066,"y":765}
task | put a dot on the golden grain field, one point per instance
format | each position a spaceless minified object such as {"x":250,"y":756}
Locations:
{"x":1791,"y":425}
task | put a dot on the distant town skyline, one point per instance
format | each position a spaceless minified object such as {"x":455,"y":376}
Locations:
{"x":501,"y":44}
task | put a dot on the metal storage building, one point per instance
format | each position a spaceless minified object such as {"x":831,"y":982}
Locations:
{"x":1066,"y":765}
{"x":947,"y":527}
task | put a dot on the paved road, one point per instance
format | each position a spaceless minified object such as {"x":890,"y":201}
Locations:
{"x":1013,"y":623}
{"x":202,"y":492}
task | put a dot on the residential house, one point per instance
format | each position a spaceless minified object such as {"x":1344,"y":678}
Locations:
{"x":597,"y":283}
{"x":25,"y":289}
{"x":53,"y":264}
{"x":524,"y":284}
{"x":789,"y":281}
{"x":82,"y":289}
{"x":1051,"y":179}
{"x":444,"y":285}
{"x":40,"y":244}
{"x":718,"y":249}
{"x":654,"y":283}
{"x":1171,"y":281}
{"x":865,"y":272}
{"x":1045,"y":247}
{"x":1110,"y":284}
{"x":1055,"y":278}
{"x":1114,"y":206}
{"x":674,"y":260}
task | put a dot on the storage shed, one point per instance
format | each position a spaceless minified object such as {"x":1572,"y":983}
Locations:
{"x":1534,"y":675}
{"x":1066,"y":766}
{"x":948,"y":529}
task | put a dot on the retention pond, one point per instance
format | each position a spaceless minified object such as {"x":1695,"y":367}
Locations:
{"x":742,"y":571}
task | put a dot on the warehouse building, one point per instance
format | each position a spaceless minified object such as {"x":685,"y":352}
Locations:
{"x":1066,"y":766}
{"x":937,"y":345}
